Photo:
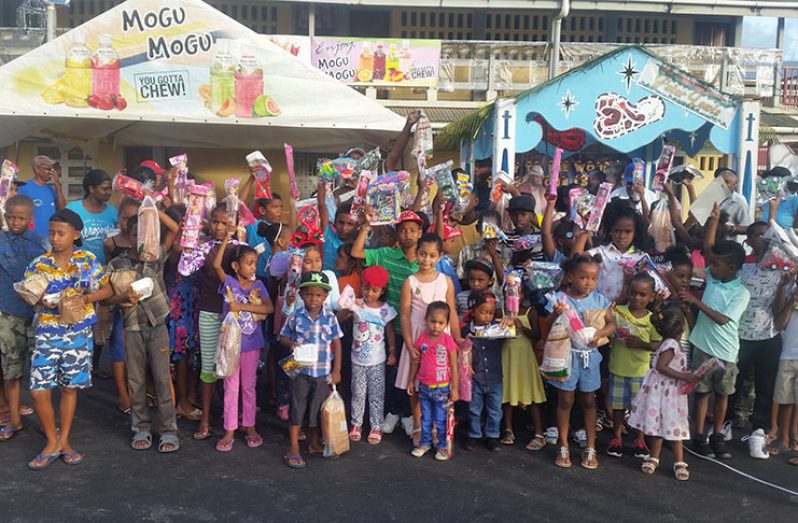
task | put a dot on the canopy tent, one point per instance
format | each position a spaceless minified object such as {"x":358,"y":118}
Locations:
{"x":166,"y":95}
{"x":629,"y":100}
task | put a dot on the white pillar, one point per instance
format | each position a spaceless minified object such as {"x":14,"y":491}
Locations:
{"x":50,"y":21}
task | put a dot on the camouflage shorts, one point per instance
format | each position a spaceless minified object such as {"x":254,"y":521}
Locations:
{"x":62,"y":360}
{"x":16,"y":339}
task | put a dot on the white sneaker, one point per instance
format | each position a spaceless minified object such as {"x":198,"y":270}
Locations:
{"x":551,"y":435}
{"x":580,"y":437}
{"x":407,"y":424}
{"x":726,"y":431}
{"x":389,"y":423}
{"x":757,"y":445}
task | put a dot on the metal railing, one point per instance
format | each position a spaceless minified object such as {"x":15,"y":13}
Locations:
{"x":789,"y":86}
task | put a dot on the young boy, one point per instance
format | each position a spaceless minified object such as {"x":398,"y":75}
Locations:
{"x":147,"y":338}
{"x":479,"y":275}
{"x":18,"y":247}
{"x":630,"y":358}
{"x":62,"y":354}
{"x":341,"y":231}
{"x":446,"y":265}
{"x":311,"y":325}
{"x":400,"y":262}
{"x":716,"y":334}
{"x":784,"y":423}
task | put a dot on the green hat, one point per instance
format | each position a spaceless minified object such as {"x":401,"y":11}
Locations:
{"x":315,"y":279}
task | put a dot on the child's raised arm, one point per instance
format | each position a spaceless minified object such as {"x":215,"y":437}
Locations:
{"x":218,"y":259}
{"x":321,"y":201}
{"x":547,"y":235}
{"x":709,"y":239}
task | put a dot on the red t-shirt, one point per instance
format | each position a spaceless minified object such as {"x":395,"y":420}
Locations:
{"x":434,"y":364}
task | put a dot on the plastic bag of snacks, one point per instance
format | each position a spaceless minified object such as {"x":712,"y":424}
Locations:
{"x":556,"y":363}
{"x":32,"y":289}
{"x":149,"y":232}
{"x":228,"y":350}
{"x":180,"y":163}
{"x":333,"y":425}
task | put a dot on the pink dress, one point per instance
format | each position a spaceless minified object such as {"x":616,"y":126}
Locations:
{"x":422,"y":294}
{"x":659,"y":409}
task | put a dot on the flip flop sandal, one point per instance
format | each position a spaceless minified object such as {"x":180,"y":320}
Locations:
{"x":650,"y":465}
{"x":537,"y":443}
{"x":589,"y":459}
{"x":194,"y":415}
{"x":126,"y":411}
{"x":375,"y":436}
{"x":140,"y":437}
{"x":200,"y":435}
{"x":42,"y":462}
{"x":8,"y":432}
{"x":72,"y":458}
{"x":25,"y":411}
{"x":168,"y":439}
{"x":253,"y":440}
{"x":680,"y":471}
{"x":225,"y":445}
{"x":356,"y":433}
{"x":294,"y":462}
{"x":564,"y":458}
{"x":314,"y":452}
{"x":508,"y":438}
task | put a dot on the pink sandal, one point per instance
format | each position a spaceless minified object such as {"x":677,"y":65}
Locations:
{"x":225,"y":445}
{"x":253,"y":440}
{"x":375,"y":436}
{"x":356,"y":433}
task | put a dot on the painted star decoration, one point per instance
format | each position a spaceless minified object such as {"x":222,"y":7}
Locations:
{"x":568,"y":103}
{"x":629,"y":72}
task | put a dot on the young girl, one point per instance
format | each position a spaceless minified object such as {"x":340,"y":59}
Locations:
{"x":372,"y":333}
{"x":61,"y":357}
{"x":313,"y":262}
{"x":240,"y":290}
{"x":418,"y":292}
{"x":580,"y":277}
{"x":522,"y":384}
{"x":350,"y":269}
{"x":436,"y":371}
{"x":660,"y":409}
{"x":183,"y":293}
{"x":210,"y":305}
{"x":113,"y":247}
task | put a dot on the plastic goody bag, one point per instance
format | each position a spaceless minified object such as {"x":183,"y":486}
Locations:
{"x":661,"y":228}
{"x":149,"y":232}
{"x":422,"y":140}
{"x":228,"y":350}
{"x":333,"y":425}
{"x":556,"y":363}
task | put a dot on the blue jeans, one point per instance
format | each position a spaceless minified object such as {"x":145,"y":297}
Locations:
{"x":433,"y":410}
{"x":489,"y":396}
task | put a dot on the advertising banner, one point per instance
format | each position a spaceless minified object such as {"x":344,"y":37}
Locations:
{"x":385,"y":62}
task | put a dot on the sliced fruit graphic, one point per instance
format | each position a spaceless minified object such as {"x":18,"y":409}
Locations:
{"x":228,"y":108}
{"x":272,"y":108}
{"x":364,"y":75}
{"x":56,"y":93}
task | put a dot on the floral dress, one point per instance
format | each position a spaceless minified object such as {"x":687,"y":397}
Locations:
{"x":660,"y":409}
{"x":183,"y":292}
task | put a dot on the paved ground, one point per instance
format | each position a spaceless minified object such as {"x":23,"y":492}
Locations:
{"x":370,"y":483}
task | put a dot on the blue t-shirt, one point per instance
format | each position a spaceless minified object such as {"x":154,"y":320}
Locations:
{"x":730,"y":299}
{"x":43,"y":197}
{"x":785,"y":212}
{"x":96,"y":227}
{"x":446,"y":266}
{"x":331,"y":243}
{"x":16,"y":252}
{"x":253,"y":240}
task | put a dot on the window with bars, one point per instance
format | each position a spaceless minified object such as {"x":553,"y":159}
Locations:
{"x":647,"y":30}
{"x":419,"y":23}
{"x":583,"y":28}
{"x":516,"y":27}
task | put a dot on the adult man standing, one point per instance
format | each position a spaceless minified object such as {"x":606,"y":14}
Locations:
{"x":45,"y":191}
{"x":735,"y":205}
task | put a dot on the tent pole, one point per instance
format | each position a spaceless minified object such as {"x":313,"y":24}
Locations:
{"x":556,"y":32}
{"x":50,"y":22}
{"x":312,"y":20}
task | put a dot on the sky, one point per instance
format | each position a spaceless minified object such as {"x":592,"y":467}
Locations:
{"x":761,"y":32}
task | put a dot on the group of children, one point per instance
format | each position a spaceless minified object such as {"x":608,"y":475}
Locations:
{"x":418,"y":307}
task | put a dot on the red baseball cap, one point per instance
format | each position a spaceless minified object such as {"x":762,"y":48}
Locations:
{"x":410,"y":216}
{"x":450,"y":232}
{"x":152,"y":164}
{"x":375,"y":276}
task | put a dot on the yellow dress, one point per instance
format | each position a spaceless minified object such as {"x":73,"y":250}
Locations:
{"x":522,"y":382}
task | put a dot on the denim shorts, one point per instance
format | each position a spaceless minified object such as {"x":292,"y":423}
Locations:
{"x":585,"y":373}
